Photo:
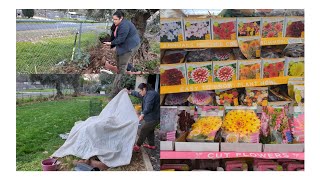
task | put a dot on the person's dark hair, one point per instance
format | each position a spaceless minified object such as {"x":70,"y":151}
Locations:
{"x":144,"y":85}
{"x":119,"y":14}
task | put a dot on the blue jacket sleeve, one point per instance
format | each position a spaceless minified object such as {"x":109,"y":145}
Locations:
{"x":122,"y":33}
{"x":136,"y":94}
{"x":148,"y":104}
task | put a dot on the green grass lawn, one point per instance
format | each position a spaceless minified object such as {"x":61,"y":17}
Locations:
{"x":41,"y":56}
{"x":39,"y":90}
{"x":38,"y":127}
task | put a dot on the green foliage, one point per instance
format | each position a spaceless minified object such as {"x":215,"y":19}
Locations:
{"x":28,"y":12}
{"x":135,"y":100}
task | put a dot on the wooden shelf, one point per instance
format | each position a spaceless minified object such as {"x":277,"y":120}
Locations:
{"x":224,"y":85}
{"x":226,"y":43}
{"x":223,"y":155}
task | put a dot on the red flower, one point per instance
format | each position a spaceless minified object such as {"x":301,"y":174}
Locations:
{"x":267,"y":27}
{"x":279,"y":66}
{"x":271,"y":34}
{"x":273,"y":74}
{"x":267,"y":69}
{"x":278,"y":27}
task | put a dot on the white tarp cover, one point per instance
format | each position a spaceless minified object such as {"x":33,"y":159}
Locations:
{"x":109,"y":136}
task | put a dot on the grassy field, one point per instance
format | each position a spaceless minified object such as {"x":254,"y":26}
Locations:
{"x":38,"y":127}
{"x":39,"y":90}
{"x":41,"y":56}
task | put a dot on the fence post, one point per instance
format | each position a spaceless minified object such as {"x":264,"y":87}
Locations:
{"x":80,"y":32}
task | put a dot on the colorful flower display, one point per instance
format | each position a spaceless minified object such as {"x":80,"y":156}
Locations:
{"x":205,"y":128}
{"x":224,"y":28}
{"x":173,"y":74}
{"x":272,"y":27}
{"x":250,"y":47}
{"x":227,"y":97}
{"x":201,"y":98}
{"x":249,"y":69}
{"x":224,"y":71}
{"x":199,"y":72}
{"x":197,"y":29}
{"x":273,"y":68}
{"x":170,"y":30}
{"x":295,"y":27}
{"x":295,"y":66}
{"x":241,"y":125}
{"x":256,"y":96}
{"x":249,"y":26}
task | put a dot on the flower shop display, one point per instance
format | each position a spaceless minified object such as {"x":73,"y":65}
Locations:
{"x":227,"y":97}
{"x":249,"y":69}
{"x":173,"y":57}
{"x":294,"y":66}
{"x":299,"y":94}
{"x":196,"y":55}
{"x":241,"y":124}
{"x":295,"y":27}
{"x":224,"y":28}
{"x":201,"y":98}
{"x":256,"y":96}
{"x":272,"y":27}
{"x":199,"y":72}
{"x":172,"y":74}
{"x":297,"y":125}
{"x":250,"y":47}
{"x":222,"y":54}
{"x":273,"y":67}
{"x":171,"y":30}
{"x":176,"y":99}
{"x":197,"y":29}
{"x":224,"y":71}
{"x":205,"y":128}
{"x":249,"y":26}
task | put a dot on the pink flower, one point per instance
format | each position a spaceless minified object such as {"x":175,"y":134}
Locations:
{"x":271,"y":34}
{"x":278,"y":27}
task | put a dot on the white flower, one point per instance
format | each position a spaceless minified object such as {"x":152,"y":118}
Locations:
{"x":170,"y":36}
{"x":175,"y":32}
{"x":251,"y":94}
{"x":188,"y":34}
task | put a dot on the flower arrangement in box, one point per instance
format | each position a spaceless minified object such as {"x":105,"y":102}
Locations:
{"x":224,"y":28}
{"x":224,"y":71}
{"x":241,"y":125}
{"x":256,"y":96}
{"x":173,"y":57}
{"x":201,"y":98}
{"x":200,"y":72}
{"x":272,"y":27}
{"x":273,"y":68}
{"x":227,"y":97}
{"x":295,"y":27}
{"x":197,"y":29}
{"x":250,"y":47}
{"x":171,"y":30}
{"x":295,"y":66}
{"x":249,"y":69}
{"x":249,"y":26}
{"x":172,"y":74}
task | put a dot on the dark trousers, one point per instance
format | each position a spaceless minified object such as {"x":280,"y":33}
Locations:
{"x":122,"y":60}
{"x":147,"y":131}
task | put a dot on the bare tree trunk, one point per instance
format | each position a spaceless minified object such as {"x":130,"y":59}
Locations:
{"x":59,"y":94}
{"x":75,"y":84}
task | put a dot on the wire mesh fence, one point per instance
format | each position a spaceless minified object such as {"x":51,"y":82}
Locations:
{"x":41,"y":45}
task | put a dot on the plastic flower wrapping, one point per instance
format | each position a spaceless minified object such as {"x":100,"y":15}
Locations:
{"x":199,"y":73}
{"x":249,"y":26}
{"x":168,"y":119}
{"x":256,"y":96}
{"x":199,"y":55}
{"x":197,"y":29}
{"x":225,"y":71}
{"x":224,"y":29}
{"x":295,"y":27}
{"x":297,"y":125}
{"x":227,"y":97}
{"x":201,"y":98}
{"x":295,"y":66}
{"x":241,"y":125}
{"x":299,"y":94}
{"x":173,"y":57}
{"x":273,"y":68}
{"x":171,"y":30}
{"x":176,"y":99}
{"x":205,"y":128}
{"x":272,"y":27}
{"x":249,"y":69}
{"x":173,"y":74}
{"x":250,"y":47}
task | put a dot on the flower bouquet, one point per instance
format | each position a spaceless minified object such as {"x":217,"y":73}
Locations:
{"x":172,"y":74}
{"x":224,"y":28}
{"x":295,"y":27}
{"x":201,"y":98}
{"x":172,"y":57}
{"x":273,"y":68}
{"x":279,"y":125}
{"x":241,"y":124}
{"x":200,"y":72}
{"x":294,"y":66}
{"x":171,"y":30}
{"x":199,"y":55}
{"x":176,"y":99}
{"x":250,"y":47}
{"x":256,"y":96}
{"x":224,"y":71}
{"x":227,"y":97}
{"x":249,"y":69}
{"x":249,"y":26}
{"x":272,"y":27}
{"x":197,"y":29}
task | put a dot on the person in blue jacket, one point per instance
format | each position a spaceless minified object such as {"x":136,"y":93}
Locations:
{"x":125,"y":38}
{"x":150,"y":114}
